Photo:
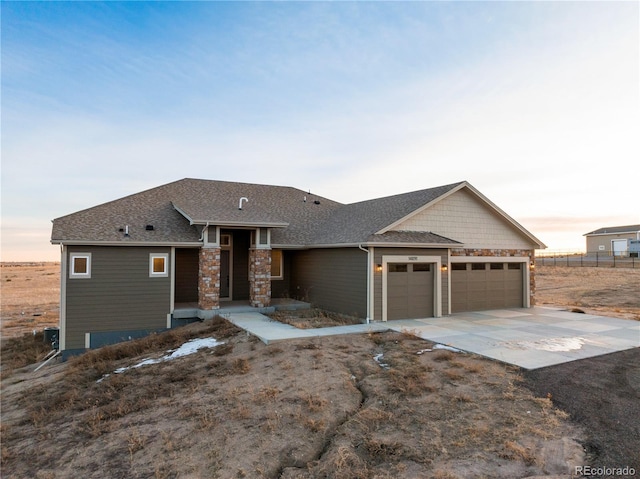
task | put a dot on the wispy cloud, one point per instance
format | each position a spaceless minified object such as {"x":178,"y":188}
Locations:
{"x":535,"y":103}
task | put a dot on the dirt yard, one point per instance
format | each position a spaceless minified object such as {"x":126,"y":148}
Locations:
{"x":366,"y":406}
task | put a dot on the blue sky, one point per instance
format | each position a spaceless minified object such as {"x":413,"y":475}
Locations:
{"x":537,"y":104}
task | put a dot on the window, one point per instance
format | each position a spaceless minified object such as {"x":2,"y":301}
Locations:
{"x":80,"y":265}
{"x":397,"y":268}
{"x":158,"y":265}
{"x":421,"y":267}
{"x":277,"y":263}
{"x":514,"y":265}
{"x":264,"y":236}
{"x":459,"y":266}
{"x":478,"y":266}
{"x":497,"y":266}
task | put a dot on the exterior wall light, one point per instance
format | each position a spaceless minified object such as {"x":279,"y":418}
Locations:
{"x":444,"y":268}
{"x":378,"y":268}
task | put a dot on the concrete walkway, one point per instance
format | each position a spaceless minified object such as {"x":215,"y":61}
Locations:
{"x":269,"y":330}
{"x":530,"y":338}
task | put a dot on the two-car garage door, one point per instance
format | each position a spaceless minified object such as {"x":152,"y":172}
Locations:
{"x":482,"y":286}
{"x":475,"y":286}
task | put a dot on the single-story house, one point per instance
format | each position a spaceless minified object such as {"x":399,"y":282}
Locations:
{"x":612,"y":240}
{"x":130,"y":265}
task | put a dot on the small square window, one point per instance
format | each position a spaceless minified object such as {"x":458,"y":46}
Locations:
{"x":80,"y":265}
{"x":158,"y":265}
{"x":459,"y":266}
{"x":478,"y":266}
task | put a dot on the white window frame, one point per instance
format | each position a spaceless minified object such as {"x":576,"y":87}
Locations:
{"x":162,"y":274}
{"x":72,"y":261}
{"x":281,"y":276}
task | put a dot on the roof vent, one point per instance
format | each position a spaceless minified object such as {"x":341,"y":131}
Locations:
{"x":244,"y":198}
{"x":149,"y":228}
{"x":316,"y":202}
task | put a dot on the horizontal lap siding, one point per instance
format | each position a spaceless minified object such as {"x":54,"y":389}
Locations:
{"x":332,"y":279}
{"x":119,"y":296}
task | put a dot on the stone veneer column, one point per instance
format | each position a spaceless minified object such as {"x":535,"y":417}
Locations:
{"x":209,"y":279}
{"x":259,"y":277}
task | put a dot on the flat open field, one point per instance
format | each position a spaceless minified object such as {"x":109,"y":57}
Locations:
{"x":30,"y":297}
{"x":353,"y":407}
{"x":607,"y":291}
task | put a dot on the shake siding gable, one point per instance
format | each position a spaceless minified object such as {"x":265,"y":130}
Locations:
{"x":119,"y":296}
{"x":334,"y":279}
{"x":466,"y":218}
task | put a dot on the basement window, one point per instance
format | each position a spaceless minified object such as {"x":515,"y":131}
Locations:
{"x":80,"y":265}
{"x":158,"y":265}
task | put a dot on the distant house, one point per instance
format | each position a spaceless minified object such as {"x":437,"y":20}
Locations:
{"x":193,"y":247}
{"x":613,"y":240}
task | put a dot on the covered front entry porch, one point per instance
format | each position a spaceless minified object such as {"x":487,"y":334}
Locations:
{"x":232,"y":266}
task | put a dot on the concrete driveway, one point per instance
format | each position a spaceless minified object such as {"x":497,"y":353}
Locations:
{"x":530,"y":338}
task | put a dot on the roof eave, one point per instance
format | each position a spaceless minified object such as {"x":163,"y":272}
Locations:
{"x":388,"y":244}
{"x":126,"y":243}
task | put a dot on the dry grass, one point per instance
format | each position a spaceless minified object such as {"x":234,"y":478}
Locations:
{"x":314,"y":318}
{"x":302,"y":409}
{"x":30,"y":297}
{"x":609,"y":291}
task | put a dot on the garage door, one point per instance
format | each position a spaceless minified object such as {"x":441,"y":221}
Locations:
{"x":409,"y":290}
{"x":482,"y":286}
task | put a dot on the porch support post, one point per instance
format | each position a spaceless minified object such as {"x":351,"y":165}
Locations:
{"x":209,"y":278}
{"x":259,"y":277}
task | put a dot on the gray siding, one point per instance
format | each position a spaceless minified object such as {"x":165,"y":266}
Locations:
{"x":187,"y":264}
{"x":332,"y":279}
{"x":119,"y":296}
{"x":377,"y":282}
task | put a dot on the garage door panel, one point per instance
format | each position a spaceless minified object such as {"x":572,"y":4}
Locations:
{"x":410,"y":291}
{"x":482,"y":286}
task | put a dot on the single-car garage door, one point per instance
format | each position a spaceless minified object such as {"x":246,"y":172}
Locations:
{"x":409,"y":290}
{"x":482,"y":286}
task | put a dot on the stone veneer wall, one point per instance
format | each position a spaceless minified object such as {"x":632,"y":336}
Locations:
{"x":505,"y":253}
{"x":259,"y":277}
{"x":209,"y":279}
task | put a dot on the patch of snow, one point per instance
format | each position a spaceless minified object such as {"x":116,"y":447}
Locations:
{"x":447,"y":348}
{"x":422,"y":351}
{"x":190,"y":347}
{"x":551,"y":344}
{"x":378,"y":359}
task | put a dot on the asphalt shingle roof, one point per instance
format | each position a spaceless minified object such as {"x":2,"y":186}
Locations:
{"x":202,"y":201}
{"x":615,"y":229}
{"x":178,"y":210}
